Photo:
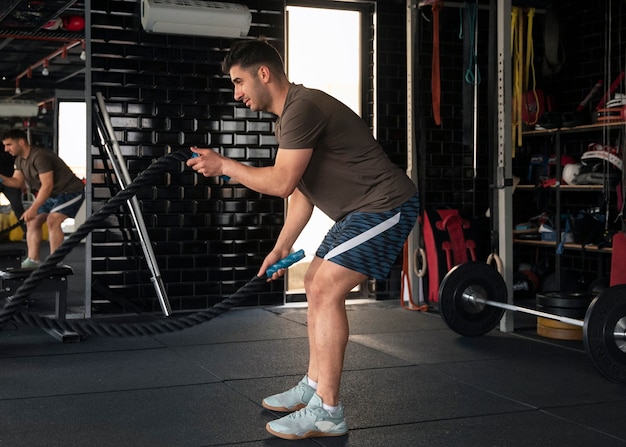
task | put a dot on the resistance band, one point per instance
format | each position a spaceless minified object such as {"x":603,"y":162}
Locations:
{"x":436,"y":74}
{"x":472,"y":73}
{"x":523,"y":69}
{"x":516,"y":51}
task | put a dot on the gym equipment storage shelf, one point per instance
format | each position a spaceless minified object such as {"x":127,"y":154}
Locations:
{"x":582,"y":128}
{"x":562,"y":199}
{"x":564,"y":187}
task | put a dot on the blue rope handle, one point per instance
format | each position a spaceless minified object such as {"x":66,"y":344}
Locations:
{"x":223,"y":177}
{"x":285,"y":262}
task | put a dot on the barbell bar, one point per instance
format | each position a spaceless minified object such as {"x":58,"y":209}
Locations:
{"x":538,"y":313}
{"x":473,"y":298}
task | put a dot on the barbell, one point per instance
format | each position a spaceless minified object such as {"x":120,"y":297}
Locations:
{"x":473,"y":299}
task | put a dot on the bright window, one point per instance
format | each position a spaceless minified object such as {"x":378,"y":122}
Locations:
{"x":323,"y":52}
{"x":72,"y":136}
{"x":324,"y":48}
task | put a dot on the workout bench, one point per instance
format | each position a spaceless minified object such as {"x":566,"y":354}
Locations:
{"x":56,"y":281}
{"x":11,"y":257}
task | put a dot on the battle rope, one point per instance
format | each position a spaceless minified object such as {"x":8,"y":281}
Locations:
{"x":11,"y":228}
{"x":11,"y":309}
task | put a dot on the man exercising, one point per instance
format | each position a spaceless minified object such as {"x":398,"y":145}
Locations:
{"x":327,"y":158}
{"x":58,"y":192}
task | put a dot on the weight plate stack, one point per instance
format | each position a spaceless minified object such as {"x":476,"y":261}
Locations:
{"x":564,"y":304}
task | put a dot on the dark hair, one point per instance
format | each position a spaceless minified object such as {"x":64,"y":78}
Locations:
{"x":253,"y":53}
{"x":15,"y":134}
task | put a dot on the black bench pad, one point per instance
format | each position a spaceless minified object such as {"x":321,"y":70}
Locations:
{"x":20,"y":273}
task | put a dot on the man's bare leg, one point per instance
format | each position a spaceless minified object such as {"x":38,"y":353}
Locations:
{"x":327,"y":285}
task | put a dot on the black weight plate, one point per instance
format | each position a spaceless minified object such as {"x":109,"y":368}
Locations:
{"x":463,"y":315}
{"x":569,"y":300}
{"x":606,"y":318}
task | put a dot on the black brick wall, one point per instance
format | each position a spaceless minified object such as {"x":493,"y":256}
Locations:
{"x":446,"y":162}
{"x":164,"y":90}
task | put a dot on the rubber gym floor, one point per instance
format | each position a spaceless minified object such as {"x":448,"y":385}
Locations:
{"x":408,"y":381}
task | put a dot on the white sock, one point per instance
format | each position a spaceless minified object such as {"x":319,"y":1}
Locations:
{"x":312,"y":383}
{"x":329,"y":408}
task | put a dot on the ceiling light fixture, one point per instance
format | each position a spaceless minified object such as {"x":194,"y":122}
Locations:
{"x":43,"y":106}
{"x":83,"y":55}
{"x":46,"y":60}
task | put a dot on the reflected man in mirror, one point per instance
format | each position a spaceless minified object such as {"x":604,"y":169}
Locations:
{"x":13,"y":195}
{"x":58,"y":192}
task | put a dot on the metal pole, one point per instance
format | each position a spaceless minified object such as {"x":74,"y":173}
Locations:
{"x":412,"y":168}
{"x":504,"y":180}
{"x":525,"y":310}
{"x":121,"y":172}
{"x":475,"y":122}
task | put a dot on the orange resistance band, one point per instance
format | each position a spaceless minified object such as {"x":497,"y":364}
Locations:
{"x":517,"y":65}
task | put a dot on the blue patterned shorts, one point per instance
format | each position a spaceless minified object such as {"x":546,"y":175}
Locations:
{"x":370,"y":243}
{"x":66,"y":203}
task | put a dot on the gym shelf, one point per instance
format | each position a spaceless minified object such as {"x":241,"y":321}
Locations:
{"x":567,"y":246}
{"x":583,"y":128}
{"x":563,"y":187}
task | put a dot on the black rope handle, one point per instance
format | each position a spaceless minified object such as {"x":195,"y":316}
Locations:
{"x":11,"y":310}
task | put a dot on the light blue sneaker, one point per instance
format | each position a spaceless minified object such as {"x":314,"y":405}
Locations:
{"x":291,"y":400}
{"x":311,"y":421}
{"x":30,"y":263}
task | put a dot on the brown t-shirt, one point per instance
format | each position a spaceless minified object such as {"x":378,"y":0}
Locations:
{"x":349,"y":170}
{"x":43,"y":160}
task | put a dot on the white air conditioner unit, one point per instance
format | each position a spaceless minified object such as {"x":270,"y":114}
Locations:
{"x":195,"y":17}
{"x":18,"y":109}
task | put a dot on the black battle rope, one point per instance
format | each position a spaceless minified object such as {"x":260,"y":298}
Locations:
{"x":11,"y":309}
{"x":11,"y":228}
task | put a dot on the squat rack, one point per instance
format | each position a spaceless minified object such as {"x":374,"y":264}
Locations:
{"x":500,"y":92}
